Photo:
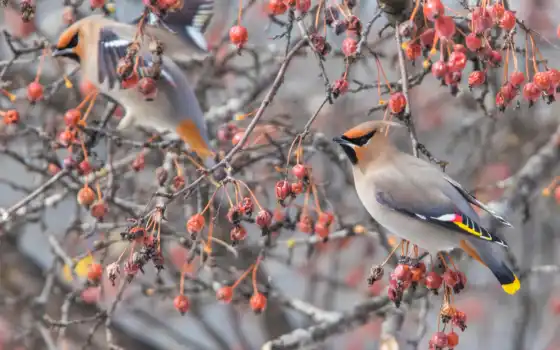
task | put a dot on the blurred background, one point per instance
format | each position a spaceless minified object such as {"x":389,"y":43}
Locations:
{"x":488,"y":152}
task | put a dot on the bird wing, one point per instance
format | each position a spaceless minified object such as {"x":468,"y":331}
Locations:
{"x":172,"y":84}
{"x":112,"y":48}
{"x":416,"y":189}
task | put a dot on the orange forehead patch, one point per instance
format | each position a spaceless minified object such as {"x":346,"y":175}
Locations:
{"x":66,"y":37}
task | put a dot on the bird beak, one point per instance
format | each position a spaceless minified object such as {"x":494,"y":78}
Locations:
{"x":342,"y":141}
{"x":61,"y":52}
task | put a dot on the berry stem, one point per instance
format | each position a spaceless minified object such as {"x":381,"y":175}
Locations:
{"x":90,"y":107}
{"x":242,"y":277}
{"x":316,"y":197}
{"x":40,"y":67}
{"x":12,"y":97}
{"x":254,"y":277}
{"x":415,"y":11}
{"x":99,"y":197}
{"x":391,"y":254}
{"x":208,"y":245}
{"x":208,"y":205}
{"x":182,"y":283}
{"x":317,"y":14}
{"x":239,"y":12}
{"x":514,"y":55}
{"x":251,"y":193}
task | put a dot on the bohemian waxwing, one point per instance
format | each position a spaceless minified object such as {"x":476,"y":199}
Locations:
{"x":416,"y":201}
{"x":98,"y":43}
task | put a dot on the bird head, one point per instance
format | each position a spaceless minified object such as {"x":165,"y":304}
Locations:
{"x":357,"y":141}
{"x":73,"y":42}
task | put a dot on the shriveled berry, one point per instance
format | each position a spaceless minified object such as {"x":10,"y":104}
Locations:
{"x":139,"y":162}
{"x":457,"y":61}
{"x":11,"y":117}
{"x":99,"y":209}
{"x":402,"y":272}
{"x":321,"y":230}
{"x":427,"y":37}
{"x":450,"y":278}
{"x":305,"y":224}
{"x":264,"y":218}
{"x":238,"y":233}
{"x":296,"y":187}
{"x":413,"y":51}
{"x":459,"y":319}
{"x":542,"y":80}
{"x":340,"y":87}
{"x":477,"y":78}
{"x":495,"y":58}
{"x":283,"y":189}
{"x":531,"y":92}
{"x":147,"y":87}
{"x":497,"y":11}
{"x":349,"y":47}
{"x":181,"y":303}
{"x":195,"y":224}
{"x":246,"y":206}
{"x":481,"y":20}
{"x":439,"y":339}
{"x":303,"y":5}
{"x":84,"y":167}
{"x":326,"y":217}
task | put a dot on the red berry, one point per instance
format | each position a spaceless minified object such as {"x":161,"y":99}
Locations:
{"x":303,"y":5}
{"x":473,"y":42}
{"x":72,"y":117}
{"x":427,"y":37}
{"x":477,"y":78}
{"x":34,"y":91}
{"x":299,"y":171}
{"x":531,"y":92}
{"x":264,"y":218}
{"x":195,"y":223}
{"x":497,"y":11}
{"x":517,"y":78}
{"x":460,"y":48}
{"x":433,"y":9}
{"x":450,"y":278}
{"x":509,"y":91}
{"x":237,"y":137}
{"x":542,"y":80}
{"x":452,"y":78}
{"x":53,"y":169}
{"x":225,"y":294}
{"x":554,"y":76}
{"x":402,"y":272}
{"x":238,"y":233}
{"x":296,"y":187}
{"x":433,"y":281}
{"x":86,"y":87}
{"x":508,"y":20}
{"x":238,"y":35}
{"x":258,"y":302}
{"x":99,"y":209}
{"x":277,"y":7}
{"x":305,"y":224}
{"x":340,"y":87}
{"x":246,"y":206}
{"x":321,"y":229}
{"x":495,"y":57}
{"x":130,"y":81}
{"x":349,"y":47}
{"x":11,"y":117}
{"x":439,"y":340}
{"x":95,"y":271}
{"x":397,"y":103}
{"x":439,"y":69}
{"x":282,"y":189}
{"x":413,"y":51}
{"x":147,"y":86}
{"x":84,"y":167}
{"x":86,"y":196}
{"x":457,"y":61}
{"x":66,"y":137}
{"x":452,"y":340}
{"x":96,"y":4}
{"x":139,"y":162}
{"x":459,"y":319}
{"x":326,"y":218}
{"x":445,"y":27}
{"x":181,"y":303}
{"x":557,"y":194}
{"x":481,"y":20}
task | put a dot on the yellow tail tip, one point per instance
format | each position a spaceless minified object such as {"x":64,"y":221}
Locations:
{"x":513,"y":287}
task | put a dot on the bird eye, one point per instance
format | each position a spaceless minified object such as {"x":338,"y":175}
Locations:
{"x":74,"y":41}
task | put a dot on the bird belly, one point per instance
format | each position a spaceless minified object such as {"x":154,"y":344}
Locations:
{"x":425,"y":235}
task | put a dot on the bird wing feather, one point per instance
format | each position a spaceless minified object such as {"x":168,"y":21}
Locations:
{"x":419,"y":190}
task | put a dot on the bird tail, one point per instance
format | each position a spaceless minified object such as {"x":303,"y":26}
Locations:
{"x":493,"y":256}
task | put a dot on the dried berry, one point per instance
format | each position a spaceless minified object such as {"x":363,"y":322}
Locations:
{"x":195,"y":224}
{"x":225,"y":294}
{"x":264,"y":218}
{"x":86,"y":196}
{"x":181,"y":303}
{"x":95,"y":271}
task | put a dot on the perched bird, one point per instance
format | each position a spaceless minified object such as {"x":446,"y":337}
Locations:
{"x":98,"y":43}
{"x":419,"y":203}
